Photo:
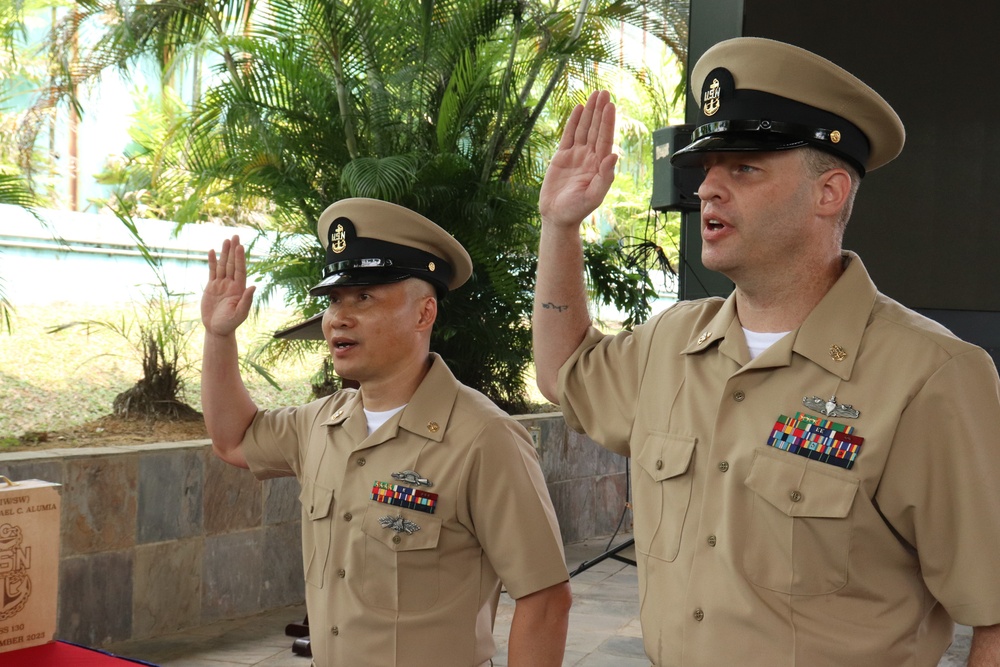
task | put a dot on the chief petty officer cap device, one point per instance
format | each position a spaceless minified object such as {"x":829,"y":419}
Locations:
{"x":763,"y":95}
{"x":373,"y":242}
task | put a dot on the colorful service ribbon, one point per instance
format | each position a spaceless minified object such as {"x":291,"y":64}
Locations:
{"x":817,"y":439}
{"x":404,"y":496}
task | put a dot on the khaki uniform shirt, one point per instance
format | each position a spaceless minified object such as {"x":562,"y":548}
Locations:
{"x":381,"y":596}
{"x":751,"y":555}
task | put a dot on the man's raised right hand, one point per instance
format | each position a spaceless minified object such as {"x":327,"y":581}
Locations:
{"x":583,"y":167}
{"x":226,"y":300}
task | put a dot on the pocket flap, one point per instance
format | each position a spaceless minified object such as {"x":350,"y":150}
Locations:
{"x":665,"y":455}
{"x":799,"y":487}
{"x":316,"y":500}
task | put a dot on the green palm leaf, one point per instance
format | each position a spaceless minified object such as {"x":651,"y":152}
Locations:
{"x":450,"y":107}
{"x":388,"y":178}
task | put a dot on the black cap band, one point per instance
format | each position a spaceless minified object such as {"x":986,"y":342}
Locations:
{"x":803,"y":132}
{"x":437,"y":266}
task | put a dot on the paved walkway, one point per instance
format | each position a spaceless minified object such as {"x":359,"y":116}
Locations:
{"x":603,"y":629}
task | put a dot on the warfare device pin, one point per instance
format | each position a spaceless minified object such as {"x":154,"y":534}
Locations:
{"x":830,"y":408}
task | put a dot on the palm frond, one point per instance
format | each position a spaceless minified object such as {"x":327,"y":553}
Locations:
{"x":450,"y":107}
{"x":388,"y":178}
{"x":14,"y":190}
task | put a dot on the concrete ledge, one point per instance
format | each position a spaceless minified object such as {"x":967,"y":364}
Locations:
{"x":164,"y":537}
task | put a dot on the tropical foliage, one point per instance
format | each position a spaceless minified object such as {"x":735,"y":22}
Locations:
{"x":158,"y":337}
{"x":449,"y":107}
{"x":151,"y":180}
{"x":13,"y":188}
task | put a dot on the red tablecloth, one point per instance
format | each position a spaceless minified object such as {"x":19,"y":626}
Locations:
{"x":61,"y":654}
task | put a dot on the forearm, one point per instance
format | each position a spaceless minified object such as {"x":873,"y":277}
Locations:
{"x":226,"y":403}
{"x":560,"y":319}
{"x":985,"y":651}
{"x":538,"y":629}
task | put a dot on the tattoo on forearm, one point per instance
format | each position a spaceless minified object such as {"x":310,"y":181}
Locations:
{"x":551,"y":306}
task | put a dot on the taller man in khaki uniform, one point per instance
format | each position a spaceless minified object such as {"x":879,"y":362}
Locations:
{"x":815,"y":466}
{"x":419,"y":496}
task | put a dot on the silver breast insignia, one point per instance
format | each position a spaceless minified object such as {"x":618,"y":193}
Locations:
{"x":412,"y":477}
{"x":398,"y":524}
{"x":830,"y":408}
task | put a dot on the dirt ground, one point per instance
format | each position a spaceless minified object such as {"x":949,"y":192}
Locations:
{"x":111,"y":430}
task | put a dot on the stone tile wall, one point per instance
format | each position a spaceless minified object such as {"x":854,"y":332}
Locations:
{"x":160,"y":538}
{"x":587,"y":483}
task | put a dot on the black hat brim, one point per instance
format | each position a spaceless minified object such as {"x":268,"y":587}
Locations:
{"x":359,"y":277}
{"x":692,"y":154}
{"x":311,"y":329}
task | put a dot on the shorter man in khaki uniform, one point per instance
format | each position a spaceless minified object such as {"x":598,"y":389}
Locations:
{"x":815,"y":465}
{"x":419,"y":496}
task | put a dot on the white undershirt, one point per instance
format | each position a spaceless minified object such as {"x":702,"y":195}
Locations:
{"x":758,"y":342}
{"x":376,"y":419}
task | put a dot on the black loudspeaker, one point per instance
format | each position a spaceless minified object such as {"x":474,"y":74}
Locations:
{"x":673,"y":189}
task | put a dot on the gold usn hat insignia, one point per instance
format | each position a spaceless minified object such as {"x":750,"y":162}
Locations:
{"x":338,"y":242}
{"x":711,"y":100}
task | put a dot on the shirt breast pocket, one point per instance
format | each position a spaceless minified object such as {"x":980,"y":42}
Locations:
{"x":662,"y":493}
{"x":400,"y":568}
{"x":801,"y":524}
{"x":317,"y":501}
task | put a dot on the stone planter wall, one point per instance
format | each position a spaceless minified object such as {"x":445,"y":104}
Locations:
{"x":159,"y":538}
{"x":587,"y":482}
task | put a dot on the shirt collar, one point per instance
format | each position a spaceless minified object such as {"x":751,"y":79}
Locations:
{"x":719,"y":330}
{"x":830,"y":336}
{"x":426,"y":414}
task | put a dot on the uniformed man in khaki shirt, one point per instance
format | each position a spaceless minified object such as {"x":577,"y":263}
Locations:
{"x":419,"y":496}
{"x":815,"y":466}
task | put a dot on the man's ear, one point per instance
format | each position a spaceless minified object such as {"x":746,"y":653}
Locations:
{"x":428,"y":312}
{"x":834,"y":190}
